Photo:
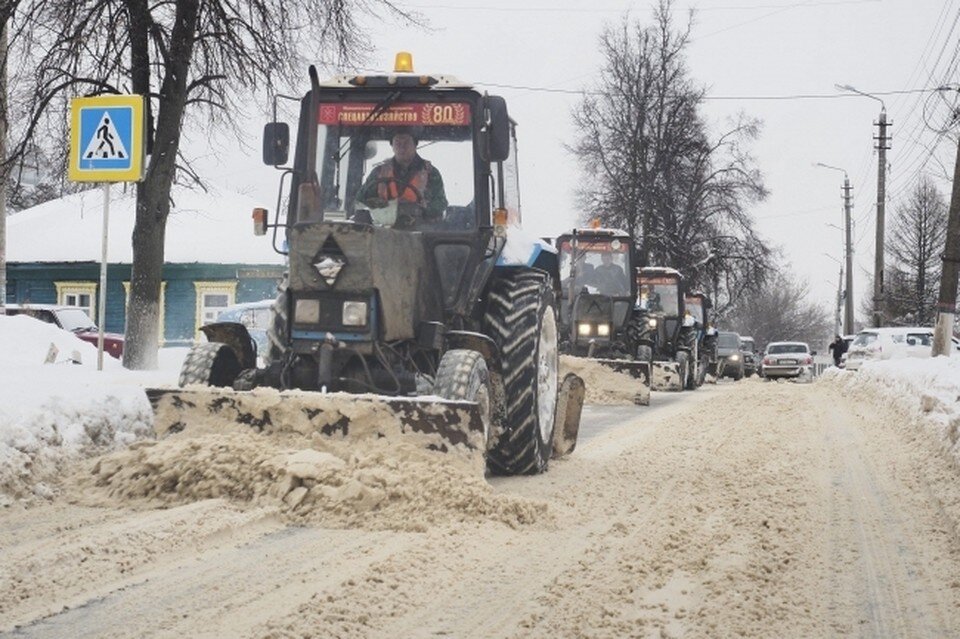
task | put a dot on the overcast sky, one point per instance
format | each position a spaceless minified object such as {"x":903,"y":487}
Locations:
{"x":539,"y":54}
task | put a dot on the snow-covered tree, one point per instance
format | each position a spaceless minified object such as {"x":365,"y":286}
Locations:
{"x":914,"y":245}
{"x":652,"y":168}
{"x":779,"y":311}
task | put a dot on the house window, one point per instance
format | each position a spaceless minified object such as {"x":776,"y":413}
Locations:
{"x":163,"y":305}
{"x":81,"y":294}
{"x":213,"y":297}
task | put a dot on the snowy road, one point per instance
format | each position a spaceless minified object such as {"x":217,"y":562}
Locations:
{"x":752,"y":509}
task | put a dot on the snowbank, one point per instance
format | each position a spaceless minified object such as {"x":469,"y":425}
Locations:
{"x":928,"y":389}
{"x":52,"y":412}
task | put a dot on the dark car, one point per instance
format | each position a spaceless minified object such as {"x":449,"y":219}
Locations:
{"x":729,"y":357}
{"x":72,"y":319}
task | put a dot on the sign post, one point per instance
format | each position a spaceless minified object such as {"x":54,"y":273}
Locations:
{"x":106,"y":145}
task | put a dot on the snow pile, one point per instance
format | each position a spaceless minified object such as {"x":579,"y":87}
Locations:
{"x":377,"y":483}
{"x":926,"y":388}
{"x":54,"y":415}
{"x":51,"y":412}
{"x":604,"y":385}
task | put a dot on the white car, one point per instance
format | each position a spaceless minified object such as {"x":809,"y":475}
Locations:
{"x":893,"y":342}
{"x":787,"y":359}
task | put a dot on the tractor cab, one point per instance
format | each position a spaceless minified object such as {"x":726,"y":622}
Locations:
{"x":597,"y":289}
{"x":661,"y":295}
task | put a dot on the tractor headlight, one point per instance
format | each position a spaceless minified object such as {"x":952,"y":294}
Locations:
{"x":583,"y":329}
{"x":354,"y":313}
{"x":652,"y":322}
{"x":603,"y":330}
{"x":734,"y":358}
{"x":307,"y":312}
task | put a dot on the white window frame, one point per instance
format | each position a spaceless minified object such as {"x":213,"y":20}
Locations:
{"x":67,"y":289}
{"x":163,"y":305}
{"x":211,"y":288}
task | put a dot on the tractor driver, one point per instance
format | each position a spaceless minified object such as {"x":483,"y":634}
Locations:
{"x":609,"y":277}
{"x":413,"y":183}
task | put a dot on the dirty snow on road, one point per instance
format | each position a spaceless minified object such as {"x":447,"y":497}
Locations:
{"x":746,"y":509}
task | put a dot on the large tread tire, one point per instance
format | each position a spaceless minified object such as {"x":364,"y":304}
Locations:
{"x":463,"y":375}
{"x":520,"y":315}
{"x":210,"y":364}
{"x":693,"y":376}
{"x":683,"y":362}
{"x":645,"y":354}
{"x":277,"y":332}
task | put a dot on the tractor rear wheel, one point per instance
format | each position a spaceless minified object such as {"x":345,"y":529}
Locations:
{"x":521,"y":319}
{"x":210,"y":364}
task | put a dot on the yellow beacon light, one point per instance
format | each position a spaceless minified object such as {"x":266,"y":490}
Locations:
{"x":403,"y":63}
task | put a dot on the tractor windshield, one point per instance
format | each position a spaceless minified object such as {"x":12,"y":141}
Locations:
{"x":600,"y":266}
{"x":660,"y":296}
{"x":400,"y":164}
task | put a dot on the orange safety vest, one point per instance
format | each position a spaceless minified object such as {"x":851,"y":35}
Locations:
{"x":413,"y":190}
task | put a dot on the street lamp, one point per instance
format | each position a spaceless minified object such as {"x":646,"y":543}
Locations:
{"x":847,"y":206}
{"x":881,"y":147}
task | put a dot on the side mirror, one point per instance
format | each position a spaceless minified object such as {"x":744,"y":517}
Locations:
{"x":276,"y":143}
{"x":813,"y":352}
{"x":495,"y":131}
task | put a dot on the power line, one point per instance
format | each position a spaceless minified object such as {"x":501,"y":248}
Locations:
{"x":798,"y":96}
{"x":545,"y":9}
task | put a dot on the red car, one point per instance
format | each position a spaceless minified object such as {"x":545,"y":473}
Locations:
{"x":72,"y":319}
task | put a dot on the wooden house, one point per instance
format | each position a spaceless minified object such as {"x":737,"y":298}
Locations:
{"x":212,"y":259}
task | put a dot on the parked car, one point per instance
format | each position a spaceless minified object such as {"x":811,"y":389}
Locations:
{"x":748,"y":352}
{"x":890,"y":342}
{"x":729,"y":357}
{"x":256,"y":316}
{"x":787,"y":359}
{"x":72,"y":319}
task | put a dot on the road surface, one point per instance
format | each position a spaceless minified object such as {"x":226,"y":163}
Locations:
{"x":752,"y":509}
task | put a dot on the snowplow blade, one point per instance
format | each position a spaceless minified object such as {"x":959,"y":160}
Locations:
{"x":666,"y":376}
{"x":637,"y":369}
{"x":566,"y":424}
{"x":435,"y":423}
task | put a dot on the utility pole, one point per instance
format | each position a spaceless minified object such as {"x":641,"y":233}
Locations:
{"x":946,"y":308}
{"x":878,"y":295}
{"x":847,"y":221}
{"x":847,"y":216}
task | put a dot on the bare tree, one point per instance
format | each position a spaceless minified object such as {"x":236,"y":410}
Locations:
{"x":653,"y":170}
{"x":781,"y":310}
{"x":203,"y":59}
{"x":915,"y":244}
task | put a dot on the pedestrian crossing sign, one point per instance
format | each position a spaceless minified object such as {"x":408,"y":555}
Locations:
{"x":107,"y":139}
